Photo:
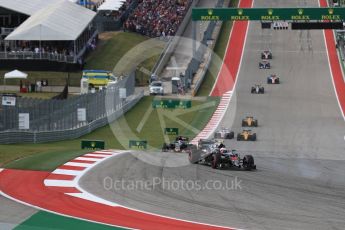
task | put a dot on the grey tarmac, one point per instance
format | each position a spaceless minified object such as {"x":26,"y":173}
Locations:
{"x":300,"y":151}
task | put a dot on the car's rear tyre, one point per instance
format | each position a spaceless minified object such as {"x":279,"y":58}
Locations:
{"x":229,"y":135}
{"x":248,"y":162}
{"x":238,"y":137}
{"x":165,"y":148}
{"x":244,"y":123}
{"x":193,"y":156}
{"x":215,"y":160}
{"x":254,"y":137}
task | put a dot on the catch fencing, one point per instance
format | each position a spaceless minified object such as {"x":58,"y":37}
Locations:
{"x":54,"y":120}
{"x":198,"y":58}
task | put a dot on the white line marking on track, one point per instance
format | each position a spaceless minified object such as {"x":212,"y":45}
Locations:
{"x":95,"y":155}
{"x":78,"y":164}
{"x":67,"y":172}
{"x":59,"y":183}
{"x":58,"y":213}
{"x":87,"y":159}
{"x":330,"y":70}
{"x":1,"y":169}
{"x":89,"y":196}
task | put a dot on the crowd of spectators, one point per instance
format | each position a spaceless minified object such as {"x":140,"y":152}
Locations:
{"x":156,"y":18}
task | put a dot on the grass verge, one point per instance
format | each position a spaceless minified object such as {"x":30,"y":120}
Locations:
{"x":45,"y":220}
{"x":48,"y":156}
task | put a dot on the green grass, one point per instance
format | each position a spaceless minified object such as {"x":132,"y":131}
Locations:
{"x":219,"y":50}
{"x":48,"y":156}
{"x":112,"y":47}
{"x":45,"y":95}
{"x":45,"y":220}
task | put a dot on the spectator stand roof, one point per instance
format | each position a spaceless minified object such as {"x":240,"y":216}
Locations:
{"x":28,"y":7}
{"x":61,"y":20}
{"x":111,"y":5}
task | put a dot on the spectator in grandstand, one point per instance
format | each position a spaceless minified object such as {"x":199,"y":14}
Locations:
{"x":157,"y":18}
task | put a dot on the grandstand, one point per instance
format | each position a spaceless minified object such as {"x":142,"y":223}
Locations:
{"x":157,"y":18}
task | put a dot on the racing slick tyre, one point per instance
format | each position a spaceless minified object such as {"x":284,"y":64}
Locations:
{"x":244,"y":123}
{"x":215,"y":160}
{"x":165,"y":148}
{"x":248,"y":162}
{"x":253,"y":90}
{"x":255,"y":123}
{"x":230,"y":135}
{"x":238,"y":137}
{"x":254,"y":137}
{"x":277,"y":81}
{"x":193,"y":156}
{"x":262,"y":90}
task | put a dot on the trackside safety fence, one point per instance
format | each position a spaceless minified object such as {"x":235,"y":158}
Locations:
{"x":40,"y":120}
{"x":194,"y":64}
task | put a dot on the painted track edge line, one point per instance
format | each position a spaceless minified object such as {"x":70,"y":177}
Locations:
{"x":330,"y":68}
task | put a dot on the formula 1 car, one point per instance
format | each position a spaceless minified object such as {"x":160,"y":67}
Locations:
{"x":179,"y":145}
{"x":224,"y":133}
{"x":258,"y":89}
{"x":266,"y":55}
{"x":221,"y":158}
{"x":264,"y":64}
{"x":246,"y":135}
{"x":249,"y":122}
{"x":273,"y":79}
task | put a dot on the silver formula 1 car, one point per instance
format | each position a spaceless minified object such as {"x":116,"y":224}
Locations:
{"x":224,"y":133}
{"x":258,"y":89}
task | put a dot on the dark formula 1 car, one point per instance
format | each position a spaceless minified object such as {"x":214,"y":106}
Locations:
{"x":224,"y":133}
{"x":246,"y":135}
{"x":249,"y":122}
{"x":181,"y":144}
{"x":258,"y":89}
{"x":264,"y":65}
{"x":273,"y":79}
{"x":266,"y":54}
{"x":221,"y":158}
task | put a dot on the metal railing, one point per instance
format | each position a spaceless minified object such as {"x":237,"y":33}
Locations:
{"x":37,"y":56}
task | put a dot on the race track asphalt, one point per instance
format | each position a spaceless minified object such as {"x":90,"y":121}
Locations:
{"x":300,"y":151}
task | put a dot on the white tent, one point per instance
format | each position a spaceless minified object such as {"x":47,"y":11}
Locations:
{"x":112,"y":5}
{"x":16,"y":74}
{"x":59,"y":21}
